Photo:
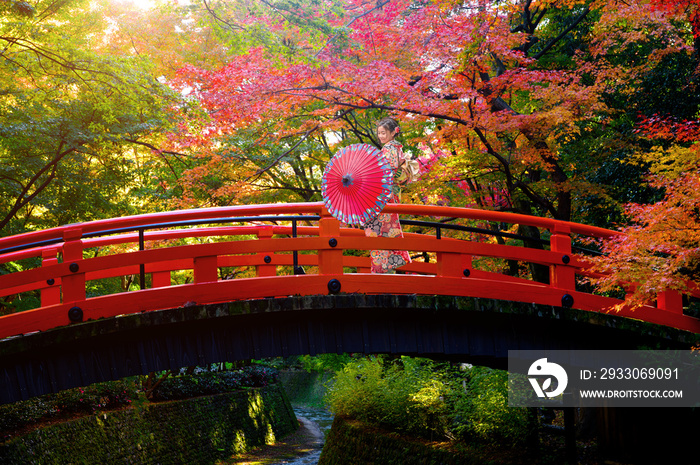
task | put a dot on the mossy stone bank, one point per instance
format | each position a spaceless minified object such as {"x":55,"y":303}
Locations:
{"x":201,"y":430}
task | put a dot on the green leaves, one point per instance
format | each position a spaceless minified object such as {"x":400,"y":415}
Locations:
{"x":68,"y":112}
{"x":428,"y":399}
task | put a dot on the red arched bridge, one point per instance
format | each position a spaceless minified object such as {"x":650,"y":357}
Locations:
{"x":264,"y":280}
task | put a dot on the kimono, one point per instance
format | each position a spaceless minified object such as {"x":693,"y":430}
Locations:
{"x":387,"y":224}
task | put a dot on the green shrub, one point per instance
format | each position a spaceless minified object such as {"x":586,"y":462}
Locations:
{"x":480,"y":412}
{"x":428,"y":399}
{"x":405,"y":395}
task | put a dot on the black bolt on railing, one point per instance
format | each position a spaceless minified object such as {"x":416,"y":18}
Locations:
{"x":333,"y":286}
{"x":567,"y":301}
{"x":75,"y":314}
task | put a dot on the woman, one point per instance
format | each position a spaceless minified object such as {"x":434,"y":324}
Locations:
{"x":387,"y":224}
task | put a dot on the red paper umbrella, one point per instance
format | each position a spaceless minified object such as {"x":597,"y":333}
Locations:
{"x":357,"y":184}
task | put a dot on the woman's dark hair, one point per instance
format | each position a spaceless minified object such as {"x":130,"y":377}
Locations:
{"x":388,"y":123}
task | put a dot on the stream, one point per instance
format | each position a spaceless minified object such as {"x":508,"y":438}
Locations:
{"x":323,"y":419}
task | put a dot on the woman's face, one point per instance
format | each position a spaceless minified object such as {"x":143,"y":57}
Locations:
{"x":385,"y":135}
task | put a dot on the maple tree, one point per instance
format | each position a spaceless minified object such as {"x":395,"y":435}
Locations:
{"x":530,"y":101}
{"x":684,"y":8}
{"x":660,"y":248}
{"x":505,"y":88}
{"x":522,"y":106}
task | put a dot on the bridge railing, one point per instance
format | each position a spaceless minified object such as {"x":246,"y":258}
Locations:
{"x":293,"y":249}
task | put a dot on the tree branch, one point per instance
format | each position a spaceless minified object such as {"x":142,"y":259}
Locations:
{"x":221,"y":20}
{"x":153,"y":147}
{"x":22,"y":198}
{"x":305,"y":136}
{"x":378,"y":6}
{"x":552,"y":42}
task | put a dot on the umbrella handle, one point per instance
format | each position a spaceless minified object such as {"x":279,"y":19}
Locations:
{"x":347,"y":180}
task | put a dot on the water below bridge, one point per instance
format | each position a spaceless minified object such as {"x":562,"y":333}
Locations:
{"x":312,"y":418}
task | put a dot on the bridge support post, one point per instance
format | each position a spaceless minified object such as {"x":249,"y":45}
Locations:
{"x":160,"y":279}
{"x":205,"y":270}
{"x":73,"y":284}
{"x":265,"y":232}
{"x":50,"y":295}
{"x":452,"y":264}
{"x":670,"y":301}
{"x":330,"y":261}
{"x":562,"y":276}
